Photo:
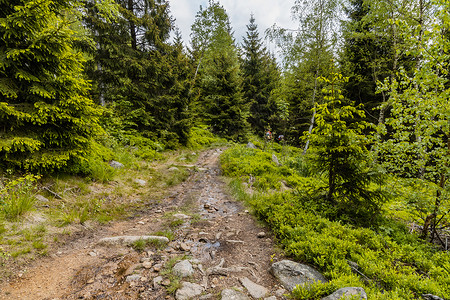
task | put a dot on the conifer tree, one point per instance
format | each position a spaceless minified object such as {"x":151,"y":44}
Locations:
{"x":220,"y":102}
{"x":260,"y":77}
{"x":340,"y":152}
{"x":139,"y":73}
{"x":46,"y":119}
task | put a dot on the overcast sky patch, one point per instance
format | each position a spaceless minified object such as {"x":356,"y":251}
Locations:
{"x":266,"y":13}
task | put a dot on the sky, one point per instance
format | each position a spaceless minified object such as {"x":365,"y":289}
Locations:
{"x":266,"y":13}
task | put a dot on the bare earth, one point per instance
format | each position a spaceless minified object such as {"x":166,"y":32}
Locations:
{"x":225,"y":235}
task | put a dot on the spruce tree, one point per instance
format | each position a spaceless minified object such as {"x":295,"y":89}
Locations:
{"x":220,"y":102}
{"x":142,"y":76}
{"x":260,"y":77}
{"x":46,"y":119}
{"x":340,"y":152}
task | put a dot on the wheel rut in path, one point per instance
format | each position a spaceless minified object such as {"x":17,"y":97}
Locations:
{"x":225,"y":245}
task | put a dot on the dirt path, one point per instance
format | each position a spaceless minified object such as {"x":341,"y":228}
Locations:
{"x":221,"y":239}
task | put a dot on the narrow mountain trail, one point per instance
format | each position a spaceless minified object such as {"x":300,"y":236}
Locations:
{"x":225,"y":252}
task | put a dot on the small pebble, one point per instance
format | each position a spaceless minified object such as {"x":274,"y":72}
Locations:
{"x":165,"y":282}
{"x":261,"y":234}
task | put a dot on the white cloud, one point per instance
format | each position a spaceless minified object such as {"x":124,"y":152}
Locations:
{"x":266,"y":13}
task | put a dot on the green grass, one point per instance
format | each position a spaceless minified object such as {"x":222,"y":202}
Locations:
{"x":167,"y":233}
{"x":17,"y":197}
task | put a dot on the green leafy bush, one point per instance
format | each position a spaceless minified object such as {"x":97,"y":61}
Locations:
{"x":200,"y":137}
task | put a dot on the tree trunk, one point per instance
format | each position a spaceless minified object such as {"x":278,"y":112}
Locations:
{"x":311,"y":126}
{"x":132,"y":26}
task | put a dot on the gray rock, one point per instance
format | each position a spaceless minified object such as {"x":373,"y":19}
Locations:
{"x":251,"y":145}
{"x":347,"y":292}
{"x":157,"y":280}
{"x":230,"y":294}
{"x":271,"y":298}
{"x":280,"y":292}
{"x":184,"y":247}
{"x":134,"y":277}
{"x":183,"y":269}
{"x":116,"y":164}
{"x":140,"y":182}
{"x":255,"y":290}
{"x":181,"y":216}
{"x":431,"y":297}
{"x":290,"y":274}
{"x":261,"y":234}
{"x":188,"y":291}
{"x":275,"y":160}
{"x":40,"y":198}
{"x":157,"y":267}
{"x":127,"y":240}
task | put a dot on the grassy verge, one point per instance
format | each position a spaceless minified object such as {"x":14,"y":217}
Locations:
{"x":36,"y":214}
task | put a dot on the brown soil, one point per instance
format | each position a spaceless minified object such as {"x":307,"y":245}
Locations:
{"x":219,"y":230}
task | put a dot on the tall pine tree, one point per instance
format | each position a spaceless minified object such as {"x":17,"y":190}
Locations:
{"x":220,"y":103}
{"x":260,"y":77}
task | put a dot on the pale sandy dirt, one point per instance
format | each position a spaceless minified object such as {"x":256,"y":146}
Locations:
{"x":225,"y":232}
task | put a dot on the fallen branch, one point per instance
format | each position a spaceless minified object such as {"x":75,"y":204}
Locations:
{"x":52,"y":192}
{"x":219,"y":270}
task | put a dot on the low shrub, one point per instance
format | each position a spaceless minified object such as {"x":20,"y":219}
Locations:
{"x":386,"y":260}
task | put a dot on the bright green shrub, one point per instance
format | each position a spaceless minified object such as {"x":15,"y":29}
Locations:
{"x":387,"y":268}
{"x":243,"y":161}
{"x":200,"y":137}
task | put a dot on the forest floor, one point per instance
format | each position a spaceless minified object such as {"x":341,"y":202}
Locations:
{"x":215,"y":233}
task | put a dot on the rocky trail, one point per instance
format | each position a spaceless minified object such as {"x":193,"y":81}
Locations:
{"x":218,"y":252}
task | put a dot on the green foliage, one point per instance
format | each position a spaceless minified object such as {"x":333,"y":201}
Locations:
{"x":340,"y":154}
{"x":391,"y":262}
{"x":143,"y":78}
{"x":316,"y":290}
{"x":329,"y":245}
{"x":17,"y":196}
{"x":260,"y":77}
{"x":367,"y":55}
{"x":47,"y":120}
{"x":200,"y":137}
{"x":220,"y":102}
{"x":416,"y":143}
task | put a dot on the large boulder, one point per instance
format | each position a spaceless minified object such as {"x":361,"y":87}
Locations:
{"x":347,"y":293}
{"x":291,"y":274}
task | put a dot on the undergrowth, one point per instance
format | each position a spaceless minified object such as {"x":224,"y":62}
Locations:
{"x":391,"y":263}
